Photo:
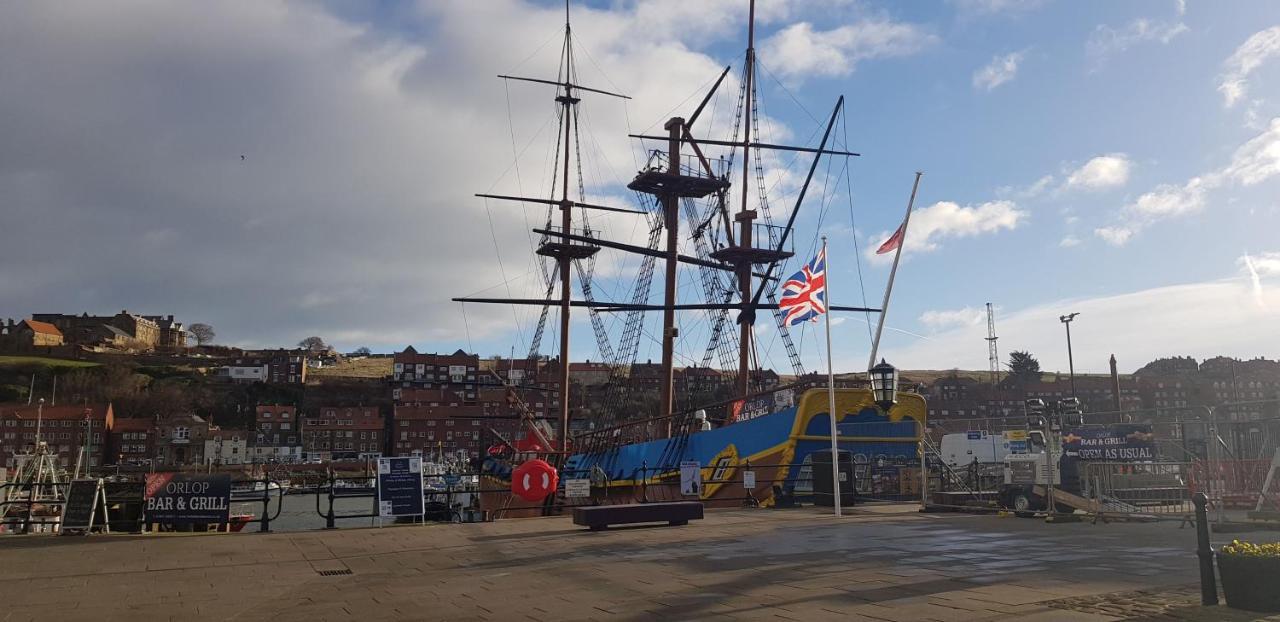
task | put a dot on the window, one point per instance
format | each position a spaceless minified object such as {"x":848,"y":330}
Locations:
{"x":266,"y":414}
{"x":431,"y":436}
{"x":181,"y":433}
{"x":404,"y":424}
{"x":431,"y":423}
{"x":449,"y":423}
{"x":476,"y":423}
{"x":285,"y":425}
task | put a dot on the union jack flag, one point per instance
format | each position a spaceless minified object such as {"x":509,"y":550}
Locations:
{"x":804,"y":295}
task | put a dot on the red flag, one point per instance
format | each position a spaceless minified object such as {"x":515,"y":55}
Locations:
{"x":894,"y":240}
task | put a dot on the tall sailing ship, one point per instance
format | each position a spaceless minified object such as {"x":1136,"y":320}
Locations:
{"x":684,"y":194}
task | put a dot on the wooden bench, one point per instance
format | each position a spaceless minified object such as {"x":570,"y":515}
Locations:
{"x":673,"y":513}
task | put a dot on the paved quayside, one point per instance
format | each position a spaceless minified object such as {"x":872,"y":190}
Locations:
{"x":882,"y":563}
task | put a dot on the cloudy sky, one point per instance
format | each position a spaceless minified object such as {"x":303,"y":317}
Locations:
{"x":1120,"y":160}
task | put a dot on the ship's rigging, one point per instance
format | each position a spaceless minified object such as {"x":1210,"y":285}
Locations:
{"x":736,"y":270}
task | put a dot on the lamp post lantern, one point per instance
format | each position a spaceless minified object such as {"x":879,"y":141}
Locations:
{"x":884,"y":384}
{"x":1066,"y":321}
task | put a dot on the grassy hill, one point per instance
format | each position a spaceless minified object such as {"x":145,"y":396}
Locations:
{"x":41,"y":361}
{"x":354,"y":368}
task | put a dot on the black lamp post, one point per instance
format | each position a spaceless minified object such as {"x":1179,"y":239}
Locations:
{"x":1071,"y":364}
{"x":884,"y":384}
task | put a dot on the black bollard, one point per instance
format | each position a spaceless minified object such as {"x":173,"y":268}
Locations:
{"x":329,"y":522}
{"x":1208,"y":580}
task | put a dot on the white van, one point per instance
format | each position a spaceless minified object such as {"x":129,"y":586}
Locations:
{"x":961,"y":449}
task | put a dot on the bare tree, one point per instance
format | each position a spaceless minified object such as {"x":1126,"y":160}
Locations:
{"x":202,"y":332}
{"x":314,"y":344}
{"x":363,"y":351}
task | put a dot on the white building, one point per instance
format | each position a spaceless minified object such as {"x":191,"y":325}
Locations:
{"x":244,"y":373}
{"x":264,"y":454}
{"x":229,"y":447}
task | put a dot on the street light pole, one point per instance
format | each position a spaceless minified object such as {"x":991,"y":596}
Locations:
{"x":1071,"y":364}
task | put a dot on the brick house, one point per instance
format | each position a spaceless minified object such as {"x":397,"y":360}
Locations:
{"x":66,"y":429}
{"x":344,"y":433}
{"x":425,"y":430}
{"x":277,"y":437}
{"x":589,"y":374}
{"x":131,"y":441}
{"x":275,"y":367}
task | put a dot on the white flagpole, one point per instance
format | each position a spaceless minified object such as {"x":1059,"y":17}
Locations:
{"x":831,"y":386}
{"x":884,"y":307}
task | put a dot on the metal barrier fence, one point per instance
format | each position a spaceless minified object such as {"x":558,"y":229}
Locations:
{"x":120,"y":496}
{"x":1235,"y":484}
{"x":1137,"y":490}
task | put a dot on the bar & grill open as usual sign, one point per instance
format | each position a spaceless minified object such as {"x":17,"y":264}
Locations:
{"x":188,"y":498}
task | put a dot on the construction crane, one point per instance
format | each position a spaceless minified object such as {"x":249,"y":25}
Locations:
{"x":993,"y":353}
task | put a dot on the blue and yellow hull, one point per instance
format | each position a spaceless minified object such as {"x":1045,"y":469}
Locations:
{"x":775,"y":446}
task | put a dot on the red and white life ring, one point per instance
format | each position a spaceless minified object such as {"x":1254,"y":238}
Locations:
{"x":534,"y":480}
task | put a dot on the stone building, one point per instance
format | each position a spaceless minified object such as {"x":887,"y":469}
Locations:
{"x":30,"y":334}
{"x":180,"y":440}
{"x":122,"y":330}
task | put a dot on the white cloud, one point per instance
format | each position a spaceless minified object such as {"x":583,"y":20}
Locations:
{"x":1069,"y":241}
{"x":989,"y":7}
{"x":1105,"y":171}
{"x":1115,"y":236}
{"x":799,"y":50}
{"x":1212,"y":318}
{"x":341,"y":124}
{"x":1001,"y":69}
{"x":1265,"y":264}
{"x":1168,"y":200}
{"x":938,"y":320}
{"x":946,"y":219}
{"x":1254,"y":162}
{"x":1107,"y":40}
{"x":1257,"y":49}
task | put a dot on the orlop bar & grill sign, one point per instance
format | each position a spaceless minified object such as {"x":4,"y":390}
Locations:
{"x":188,"y":498}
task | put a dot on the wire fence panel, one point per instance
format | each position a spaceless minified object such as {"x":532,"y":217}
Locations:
{"x":1138,"y":489}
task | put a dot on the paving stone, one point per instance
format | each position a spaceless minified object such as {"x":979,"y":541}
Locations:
{"x":888,"y":564}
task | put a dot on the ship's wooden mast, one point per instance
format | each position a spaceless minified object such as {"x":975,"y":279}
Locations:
{"x":669,"y":184}
{"x":745,"y":217}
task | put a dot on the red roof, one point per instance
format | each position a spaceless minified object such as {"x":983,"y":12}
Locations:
{"x":132,"y":424}
{"x":43,"y":328}
{"x":75,"y":411}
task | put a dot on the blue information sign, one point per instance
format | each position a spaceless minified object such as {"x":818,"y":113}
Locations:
{"x":400,"y":487}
